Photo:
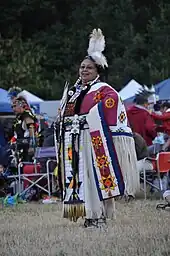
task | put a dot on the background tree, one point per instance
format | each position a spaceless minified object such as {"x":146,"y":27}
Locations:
{"x":53,"y":39}
{"x":20,"y":65}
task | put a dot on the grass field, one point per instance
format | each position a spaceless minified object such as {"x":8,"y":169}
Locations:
{"x":36,"y":229}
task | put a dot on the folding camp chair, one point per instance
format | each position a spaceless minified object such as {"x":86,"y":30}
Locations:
{"x":50,"y":154}
{"x":30,"y":173}
{"x":161,"y":165}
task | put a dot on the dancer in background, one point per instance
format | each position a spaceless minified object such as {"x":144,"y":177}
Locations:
{"x":25,"y":128}
{"x":97,"y":151}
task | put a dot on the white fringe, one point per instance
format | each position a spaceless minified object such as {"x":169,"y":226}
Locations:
{"x":125,"y":149}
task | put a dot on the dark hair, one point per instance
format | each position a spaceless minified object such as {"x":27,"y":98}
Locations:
{"x":103,"y":72}
{"x":140,"y":100}
{"x":142,"y":97}
{"x":157,"y":107}
{"x":21,"y":98}
{"x":165,"y":105}
{"x":22,"y":102}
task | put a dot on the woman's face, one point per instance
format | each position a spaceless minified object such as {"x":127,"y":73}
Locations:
{"x":87,"y":71}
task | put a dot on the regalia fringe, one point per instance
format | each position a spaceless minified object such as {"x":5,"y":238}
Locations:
{"x":74,"y":211}
{"x":125,"y":149}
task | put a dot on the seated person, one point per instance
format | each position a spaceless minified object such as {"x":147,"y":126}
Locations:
{"x":157,"y":108}
{"x":164,"y":118}
{"x":142,"y":152}
{"x":166,"y":146}
{"x":2,"y":136}
{"x":163,"y":122}
{"x":4,"y":186}
{"x":158,"y":144}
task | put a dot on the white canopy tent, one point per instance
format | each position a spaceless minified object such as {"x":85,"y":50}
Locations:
{"x":31,"y":98}
{"x":130,"y":90}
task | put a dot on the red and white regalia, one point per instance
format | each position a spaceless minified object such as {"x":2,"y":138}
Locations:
{"x":98,"y":154}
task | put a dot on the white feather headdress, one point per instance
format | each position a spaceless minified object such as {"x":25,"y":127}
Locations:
{"x":96,"y":47}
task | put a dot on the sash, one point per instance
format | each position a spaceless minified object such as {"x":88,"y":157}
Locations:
{"x":107,"y":172}
{"x":73,"y":207}
{"x":69,"y":172}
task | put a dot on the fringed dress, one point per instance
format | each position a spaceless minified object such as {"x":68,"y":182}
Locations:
{"x":98,"y":155}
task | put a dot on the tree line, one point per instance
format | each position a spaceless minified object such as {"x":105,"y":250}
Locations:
{"x":43,"y":41}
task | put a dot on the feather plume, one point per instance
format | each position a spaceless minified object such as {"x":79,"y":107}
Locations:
{"x":96,"y":42}
{"x":96,"y":47}
{"x":100,"y":59}
{"x":13,"y":91}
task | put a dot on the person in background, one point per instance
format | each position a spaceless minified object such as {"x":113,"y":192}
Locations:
{"x":142,"y":152}
{"x":157,"y":108}
{"x":163,"y":122}
{"x":25,"y":127}
{"x":163,"y":127}
{"x":140,"y":119}
{"x":164,"y":118}
{"x":3,"y":145}
{"x":159,"y":140}
{"x":2,"y":136}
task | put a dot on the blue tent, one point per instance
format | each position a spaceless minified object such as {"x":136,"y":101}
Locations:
{"x":162,"y":89}
{"x":5,"y":105}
